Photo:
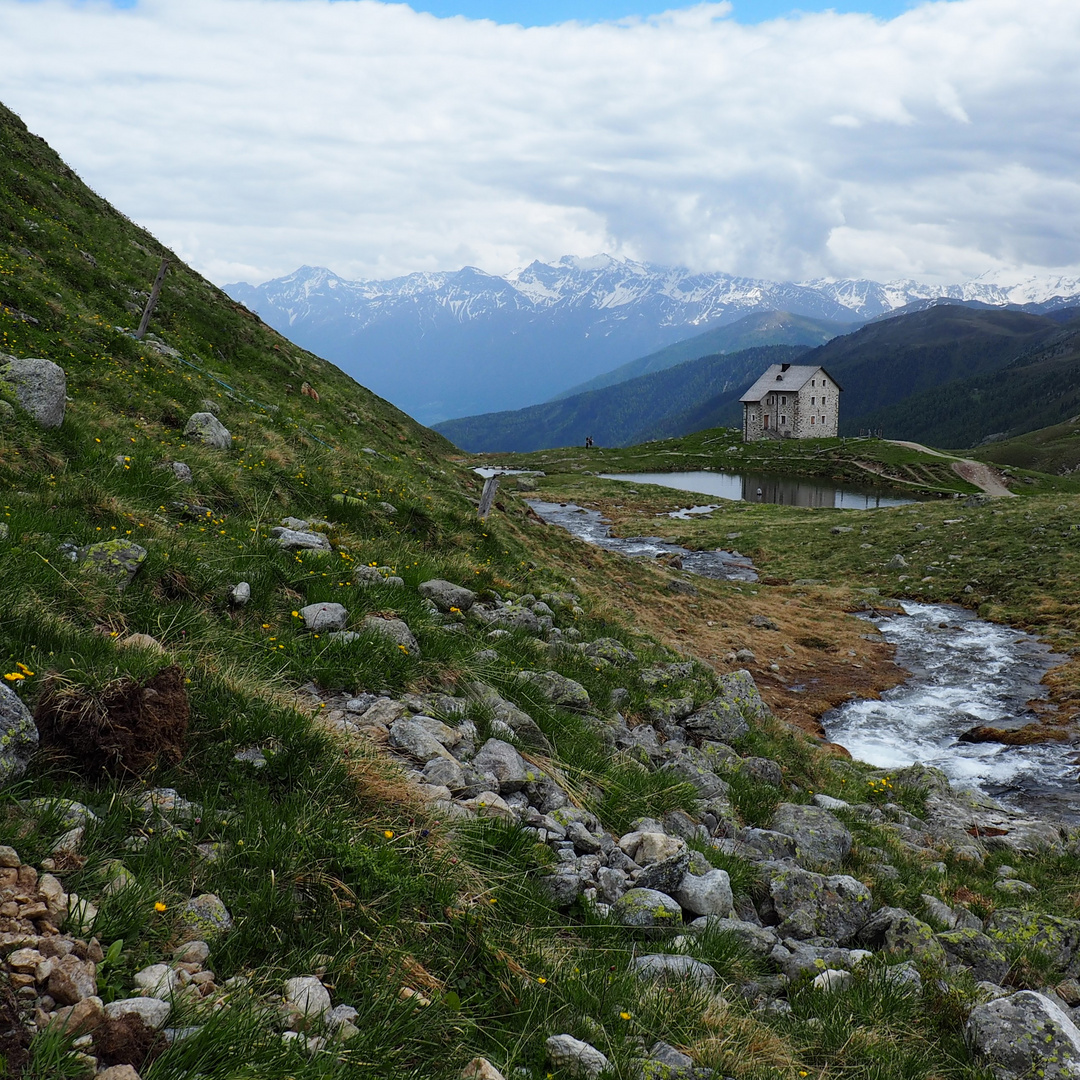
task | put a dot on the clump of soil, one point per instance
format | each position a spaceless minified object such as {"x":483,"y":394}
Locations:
{"x":14,"y":1037}
{"x":127,"y":1040}
{"x":122,"y":729}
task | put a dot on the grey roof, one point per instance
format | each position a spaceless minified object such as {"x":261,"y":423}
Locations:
{"x":791,"y":380}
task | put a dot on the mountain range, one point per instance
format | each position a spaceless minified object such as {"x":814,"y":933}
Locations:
{"x":464,"y":342}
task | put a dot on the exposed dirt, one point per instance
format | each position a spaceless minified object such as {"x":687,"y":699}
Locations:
{"x":122,"y":729}
{"x":127,"y":1040}
{"x":14,"y":1037}
{"x":982,"y":476}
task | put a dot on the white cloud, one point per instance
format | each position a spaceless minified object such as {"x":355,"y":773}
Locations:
{"x":256,"y":135}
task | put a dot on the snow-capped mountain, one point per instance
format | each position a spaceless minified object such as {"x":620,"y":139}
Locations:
{"x":462,"y":342}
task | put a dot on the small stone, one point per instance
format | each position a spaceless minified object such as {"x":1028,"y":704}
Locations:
{"x":117,"y":560}
{"x":152,"y":1011}
{"x":240,"y":594}
{"x":446,"y":595}
{"x":481,"y":1069}
{"x":118,"y":1072}
{"x":72,"y":980}
{"x":323,"y":618}
{"x":578,"y":1058}
{"x":18,"y":737}
{"x":647,"y":909}
{"x":292,"y":540}
{"x":205,"y":916}
{"x":79,"y":1018}
{"x":307,"y":995}
{"x":673,"y":967}
{"x":157,"y":981}
{"x":182,"y":472}
{"x":393,"y":630}
{"x":9,"y":857}
{"x":832,"y":980}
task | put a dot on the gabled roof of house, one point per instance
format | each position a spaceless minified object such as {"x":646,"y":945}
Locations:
{"x":790,"y":378}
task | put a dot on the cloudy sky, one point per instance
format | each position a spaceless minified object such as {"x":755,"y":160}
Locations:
{"x":886,"y":139}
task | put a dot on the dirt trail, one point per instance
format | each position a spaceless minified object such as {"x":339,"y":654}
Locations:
{"x":974,"y":472}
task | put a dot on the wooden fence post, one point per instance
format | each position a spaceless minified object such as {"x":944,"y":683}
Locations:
{"x":155,"y":292}
{"x":487,"y":496}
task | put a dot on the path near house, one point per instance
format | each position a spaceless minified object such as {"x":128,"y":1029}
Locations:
{"x":974,"y":472}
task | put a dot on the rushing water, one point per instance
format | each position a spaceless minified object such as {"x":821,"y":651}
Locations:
{"x":770,"y":488}
{"x":590,"y":526}
{"x":964,"y":672}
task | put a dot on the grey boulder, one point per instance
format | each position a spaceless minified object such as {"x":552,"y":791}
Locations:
{"x":577,"y":1058}
{"x":298,"y":540}
{"x":673,"y":967}
{"x":39,"y":387}
{"x":445,"y":595}
{"x":324,"y":618}
{"x":393,"y":630}
{"x":558,"y":689}
{"x":209,"y":430}
{"x":117,"y":560}
{"x":647,"y":909}
{"x":811,"y":905}
{"x":1025,"y":1035}
{"x":728,"y":716}
{"x":705,"y":894}
{"x":505,"y":765}
{"x":819,"y":838}
{"x":18,"y":736}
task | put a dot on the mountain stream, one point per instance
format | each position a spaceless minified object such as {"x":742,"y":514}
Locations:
{"x":965,"y":672}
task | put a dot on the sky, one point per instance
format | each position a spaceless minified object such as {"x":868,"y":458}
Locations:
{"x":935,"y":140}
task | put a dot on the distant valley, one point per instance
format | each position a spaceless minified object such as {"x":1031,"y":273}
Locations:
{"x":946,"y":374}
{"x":461,"y":343}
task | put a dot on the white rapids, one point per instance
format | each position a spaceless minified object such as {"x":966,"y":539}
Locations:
{"x":964,"y":672}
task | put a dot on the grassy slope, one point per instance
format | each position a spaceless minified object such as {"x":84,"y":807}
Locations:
{"x":326,"y":861}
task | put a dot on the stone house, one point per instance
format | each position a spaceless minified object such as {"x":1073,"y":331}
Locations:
{"x":791,"y":401}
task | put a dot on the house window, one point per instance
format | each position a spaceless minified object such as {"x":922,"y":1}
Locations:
{"x":811,"y":420}
{"x":823,"y":419}
{"x":783,"y":399}
{"x":813,"y":401}
{"x":813,"y":382}
{"x":783,"y":420}
{"x":822,"y":399}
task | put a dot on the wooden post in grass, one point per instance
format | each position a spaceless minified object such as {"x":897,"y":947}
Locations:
{"x":155,"y":292}
{"x":487,"y":496}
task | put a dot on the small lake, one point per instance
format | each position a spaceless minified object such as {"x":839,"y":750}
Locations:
{"x":769,"y":488}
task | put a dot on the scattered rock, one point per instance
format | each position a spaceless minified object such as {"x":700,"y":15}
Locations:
{"x":240,"y":594}
{"x":307,"y":996}
{"x":558,"y":689}
{"x":205,"y":917}
{"x":394,"y":631}
{"x":728,"y":716}
{"x":209,"y":430}
{"x":324,"y":618}
{"x":819,"y":838}
{"x":576,"y":1057}
{"x":673,"y":967}
{"x":1024,"y":1035}
{"x":152,"y":1011}
{"x":117,"y":560}
{"x":647,"y":909}
{"x":446,"y":595}
{"x":294,"y":540}
{"x":39,"y":387}
{"x":18,"y":736}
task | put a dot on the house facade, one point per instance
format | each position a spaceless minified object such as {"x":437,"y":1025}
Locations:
{"x":791,"y":401}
